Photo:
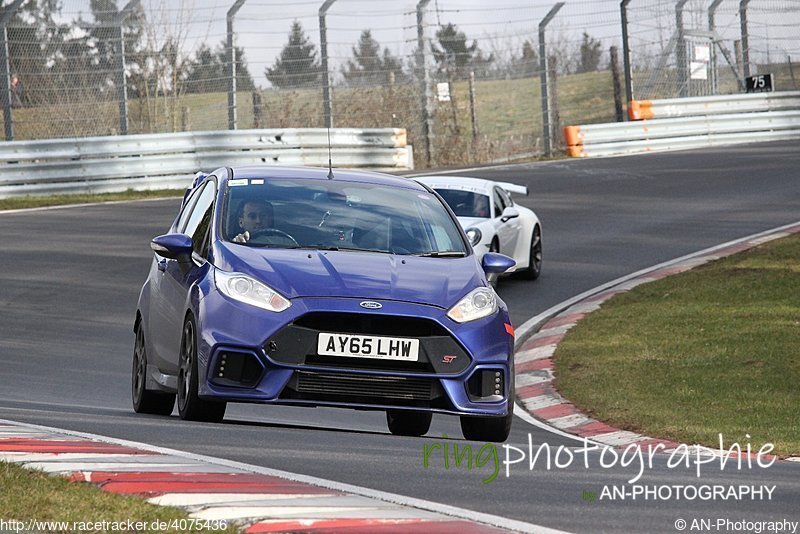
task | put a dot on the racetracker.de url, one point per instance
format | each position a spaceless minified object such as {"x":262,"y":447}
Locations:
{"x":189,"y":524}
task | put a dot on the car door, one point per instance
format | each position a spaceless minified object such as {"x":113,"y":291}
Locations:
{"x":507,"y":230}
{"x":171,"y":291}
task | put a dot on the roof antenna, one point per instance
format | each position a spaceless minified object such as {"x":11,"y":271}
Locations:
{"x":330,"y":164}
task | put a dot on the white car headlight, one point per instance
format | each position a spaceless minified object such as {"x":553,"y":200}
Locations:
{"x":480,"y":302}
{"x":245,"y":289}
{"x":474,"y":235}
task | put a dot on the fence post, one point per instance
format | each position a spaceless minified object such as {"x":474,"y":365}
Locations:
{"x":680,"y":50}
{"x":745,"y":37}
{"x":230,"y":53}
{"x":626,"y":50}
{"x":122,"y":81}
{"x":545,"y":82}
{"x":186,"y":123}
{"x":473,"y":112}
{"x":712,"y":27}
{"x":426,"y":95}
{"x":555,"y":112}
{"x":323,"y":52}
{"x":615,"y":80}
{"x":258,"y":109}
{"x":5,"y":65}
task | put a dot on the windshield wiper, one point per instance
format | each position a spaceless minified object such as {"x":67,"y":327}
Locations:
{"x":443,"y":254}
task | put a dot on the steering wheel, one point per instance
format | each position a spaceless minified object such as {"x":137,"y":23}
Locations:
{"x":273,"y":231}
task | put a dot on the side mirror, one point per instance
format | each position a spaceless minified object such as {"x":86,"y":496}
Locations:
{"x":173,"y":246}
{"x":494,"y":263}
{"x":509,"y":213}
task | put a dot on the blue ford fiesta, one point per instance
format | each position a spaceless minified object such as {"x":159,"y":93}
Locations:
{"x":303,"y":287}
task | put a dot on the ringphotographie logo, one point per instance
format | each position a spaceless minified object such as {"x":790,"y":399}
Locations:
{"x":492,"y":460}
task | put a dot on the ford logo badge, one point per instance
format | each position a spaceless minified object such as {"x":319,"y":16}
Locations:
{"x":370,"y":305}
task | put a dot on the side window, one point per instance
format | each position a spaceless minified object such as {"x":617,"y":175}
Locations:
{"x":200,"y":219}
{"x":506,"y":197}
{"x":187,"y":211}
{"x":499,"y":203}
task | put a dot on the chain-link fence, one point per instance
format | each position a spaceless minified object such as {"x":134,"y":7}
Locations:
{"x":698,"y":48}
{"x":473,"y":92}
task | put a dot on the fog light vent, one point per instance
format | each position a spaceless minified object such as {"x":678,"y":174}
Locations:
{"x":486,"y":385}
{"x":240,"y":369}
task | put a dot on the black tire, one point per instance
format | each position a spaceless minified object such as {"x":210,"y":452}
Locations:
{"x":144,"y":400}
{"x":408,"y":423}
{"x":487,"y":429}
{"x":534,"y":257}
{"x":190,"y":406}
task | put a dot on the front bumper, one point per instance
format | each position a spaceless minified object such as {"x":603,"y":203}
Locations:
{"x":249,"y":355}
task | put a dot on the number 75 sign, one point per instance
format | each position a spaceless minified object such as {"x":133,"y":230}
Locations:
{"x":760,"y":83}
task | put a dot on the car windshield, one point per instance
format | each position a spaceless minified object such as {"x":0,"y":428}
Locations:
{"x":466,"y":203}
{"x":338,"y":215}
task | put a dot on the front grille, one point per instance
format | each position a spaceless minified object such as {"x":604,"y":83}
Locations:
{"x":377,"y":390}
{"x":384,"y":387}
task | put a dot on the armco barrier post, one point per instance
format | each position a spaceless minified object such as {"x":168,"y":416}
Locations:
{"x":745,"y":37}
{"x":680,"y":50}
{"x":626,"y":50}
{"x":614,"y":59}
{"x":426,"y":95}
{"x":230,"y":53}
{"x":323,"y":52}
{"x":122,"y":82}
{"x":5,"y":75}
{"x":544,"y":80}
{"x":712,"y":27}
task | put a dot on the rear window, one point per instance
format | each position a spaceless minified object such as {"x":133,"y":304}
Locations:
{"x":466,"y":203}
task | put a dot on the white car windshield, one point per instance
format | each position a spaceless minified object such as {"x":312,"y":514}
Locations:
{"x":466,"y":203}
{"x":338,"y":215}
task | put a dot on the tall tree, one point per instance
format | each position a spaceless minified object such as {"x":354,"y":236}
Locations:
{"x":34,"y":40}
{"x":368,"y":66}
{"x":590,"y":53}
{"x":454,"y":56}
{"x":102,"y":36}
{"x":527,"y":65}
{"x":208,"y":71}
{"x":297,"y":65}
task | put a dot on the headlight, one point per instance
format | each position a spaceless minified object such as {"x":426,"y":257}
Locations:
{"x":474,"y":235}
{"x":478,"y":303}
{"x":245,"y":289}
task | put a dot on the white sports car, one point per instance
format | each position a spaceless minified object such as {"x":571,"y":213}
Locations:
{"x":491,"y":219}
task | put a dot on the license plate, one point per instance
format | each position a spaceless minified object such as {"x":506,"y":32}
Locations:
{"x":381,"y":348}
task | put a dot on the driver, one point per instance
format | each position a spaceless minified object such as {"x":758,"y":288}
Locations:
{"x":254,"y":215}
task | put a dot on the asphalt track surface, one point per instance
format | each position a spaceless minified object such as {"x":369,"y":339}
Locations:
{"x":69,"y":280}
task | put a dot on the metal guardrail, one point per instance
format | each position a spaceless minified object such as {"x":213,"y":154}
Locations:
{"x":692,"y":129}
{"x":713,"y":105}
{"x":159,"y":161}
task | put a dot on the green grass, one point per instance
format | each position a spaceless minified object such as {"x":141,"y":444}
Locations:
{"x":33,"y":495}
{"x":60,"y":200}
{"x":710,"y":351}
